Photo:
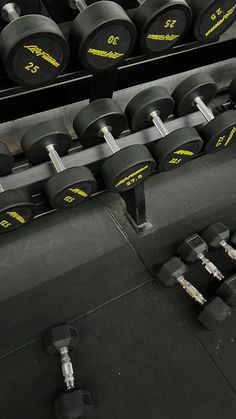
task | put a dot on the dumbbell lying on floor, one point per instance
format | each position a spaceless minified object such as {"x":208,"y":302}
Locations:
{"x":153,"y":106}
{"x":213,"y":312}
{"x":74,"y":404}
{"x":68,"y":187}
{"x":102,"y":35}
{"x":195,"y":93}
{"x":16,"y":206}
{"x":127,"y":167}
{"x":33,"y":49}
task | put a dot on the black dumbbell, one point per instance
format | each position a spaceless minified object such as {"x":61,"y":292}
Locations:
{"x":211,"y":18}
{"x":193,"y":249}
{"x":103,"y":119}
{"x":74,"y":404}
{"x":102,"y":35}
{"x":16,"y":207}
{"x":195,"y":93}
{"x":161,"y":24}
{"x":33,"y":49}
{"x":217,"y":236}
{"x":153,"y":106}
{"x":213,"y":312}
{"x":232,"y":91}
{"x":68,"y":187}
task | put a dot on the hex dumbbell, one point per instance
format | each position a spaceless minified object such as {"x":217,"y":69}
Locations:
{"x":69,"y":186}
{"x":127,"y":167}
{"x":161,"y":24}
{"x":195,"y":93}
{"x":193,"y":249}
{"x":153,"y":106}
{"x":33,"y":49}
{"x":102,"y":35}
{"x":16,"y":206}
{"x":213,"y":312}
{"x":217,"y":236}
{"x":74,"y":404}
{"x":211,"y":18}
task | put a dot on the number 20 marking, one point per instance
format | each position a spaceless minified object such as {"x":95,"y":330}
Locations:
{"x":32,"y":68}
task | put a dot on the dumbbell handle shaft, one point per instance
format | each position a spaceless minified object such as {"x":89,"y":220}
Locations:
{"x":80,"y":4}
{"x":110,"y":140}
{"x":1,"y":188}
{"x":10,"y":12}
{"x":210,"y":267}
{"x":191,"y":290}
{"x":203,"y":108}
{"x":67,"y":368}
{"x":159,"y":124}
{"x":228,"y":249}
{"x":55,"y":159}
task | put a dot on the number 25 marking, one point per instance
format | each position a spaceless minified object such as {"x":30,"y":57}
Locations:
{"x":170,"y":23}
{"x":32,"y":68}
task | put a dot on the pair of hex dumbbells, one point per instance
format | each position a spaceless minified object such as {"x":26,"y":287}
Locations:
{"x":194,"y":249}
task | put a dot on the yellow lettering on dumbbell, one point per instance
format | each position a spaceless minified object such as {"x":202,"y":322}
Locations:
{"x":168,"y":37}
{"x":113,"y":40}
{"x":221,"y":21}
{"x":78,"y":192}
{"x":233,"y":131}
{"x":170,"y":23}
{"x":5,"y":224}
{"x":218,"y":12}
{"x":130,"y":177}
{"x":175,"y":161}
{"x":220,"y":141}
{"x":16,"y":216}
{"x":105,"y":54}
{"x":69,"y":199}
{"x":184,"y":153}
{"x":43,"y":54}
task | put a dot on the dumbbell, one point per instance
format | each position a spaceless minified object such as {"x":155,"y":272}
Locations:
{"x":193,"y":249}
{"x":74,"y":404}
{"x":102,"y":35}
{"x":16,"y":208}
{"x":68,"y":187}
{"x":211,"y":18}
{"x":217,"y":236}
{"x":127,"y":167}
{"x":195,"y":93}
{"x":213,"y":312}
{"x":151,"y":107}
{"x":33,"y":49}
{"x":161,"y":24}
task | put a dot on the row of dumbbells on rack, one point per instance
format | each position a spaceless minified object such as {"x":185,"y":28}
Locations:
{"x":103,"y":120}
{"x":33,"y":49}
{"x":194,"y":249}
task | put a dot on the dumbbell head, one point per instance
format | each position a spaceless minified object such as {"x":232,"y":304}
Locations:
{"x":171,"y":271}
{"x":232,"y":90}
{"x":102,"y":36}
{"x":74,"y":405}
{"x":161,"y":24}
{"x":154,"y":99}
{"x":70,"y":187}
{"x":16,"y":210}
{"x":227,"y":291}
{"x":6,"y":160}
{"x":219,"y":133}
{"x":36,"y":139}
{"x":33,"y":49}
{"x":191,"y":247}
{"x":213,"y":313}
{"x":212,"y":18}
{"x":215,"y":233}
{"x":198,"y":85}
{"x":61,"y":336}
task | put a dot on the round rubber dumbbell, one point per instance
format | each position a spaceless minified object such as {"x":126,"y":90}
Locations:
{"x":211,"y":18}
{"x":127,"y":167}
{"x":68,"y":187}
{"x":213,"y":312}
{"x":16,"y":208}
{"x":217,"y":236}
{"x":161,"y":24}
{"x":33,"y":49}
{"x":195,"y":93}
{"x":193,"y":249}
{"x":74,"y":404}
{"x":151,"y":107}
{"x":102,"y":35}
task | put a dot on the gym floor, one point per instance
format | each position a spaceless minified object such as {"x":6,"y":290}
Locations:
{"x":142,"y":352}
